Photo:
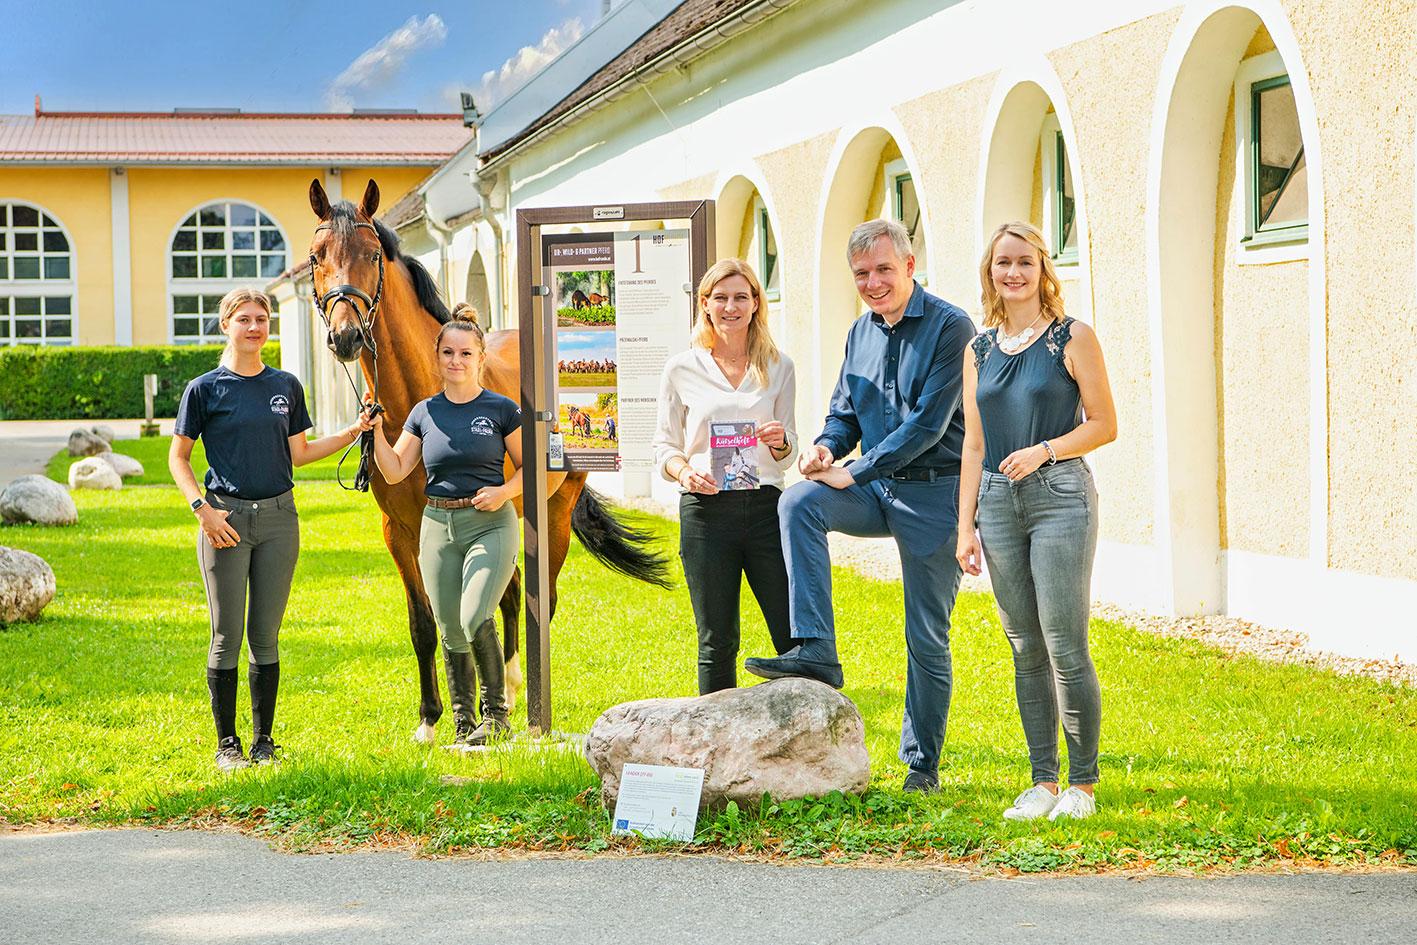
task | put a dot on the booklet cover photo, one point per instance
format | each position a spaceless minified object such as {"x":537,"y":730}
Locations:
{"x":733,"y":453}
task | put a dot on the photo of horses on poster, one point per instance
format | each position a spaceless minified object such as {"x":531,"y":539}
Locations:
{"x":585,"y":359}
{"x":589,"y":421}
{"x":585,"y":298}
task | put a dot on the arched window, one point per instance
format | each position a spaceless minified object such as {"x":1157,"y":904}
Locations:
{"x":36,"y":278}
{"x":220,"y":247}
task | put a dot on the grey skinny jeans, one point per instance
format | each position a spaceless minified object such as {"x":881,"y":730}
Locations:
{"x":260,"y":567}
{"x":1040,"y":536}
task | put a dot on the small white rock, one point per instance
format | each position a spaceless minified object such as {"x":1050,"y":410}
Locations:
{"x":86,"y":443}
{"x":94,"y":472}
{"x":126,"y":466}
{"x":103,"y":430}
{"x":37,"y":500}
{"x":26,"y":585}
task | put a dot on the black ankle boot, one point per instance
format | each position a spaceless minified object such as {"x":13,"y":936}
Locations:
{"x":492,"y":675}
{"x":462,"y":685}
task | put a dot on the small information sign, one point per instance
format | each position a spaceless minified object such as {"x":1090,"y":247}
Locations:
{"x":657,"y":801}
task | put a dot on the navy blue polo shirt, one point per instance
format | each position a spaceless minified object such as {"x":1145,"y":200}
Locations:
{"x":463,"y":444}
{"x":245,"y":425}
{"x":900,"y":389}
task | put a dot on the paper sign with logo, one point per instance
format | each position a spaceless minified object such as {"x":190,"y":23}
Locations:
{"x":658,"y":801}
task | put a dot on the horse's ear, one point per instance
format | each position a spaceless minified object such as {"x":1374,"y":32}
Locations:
{"x":319,"y":200}
{"x":370,"y":204}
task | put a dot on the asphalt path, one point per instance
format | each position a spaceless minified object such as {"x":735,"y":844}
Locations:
{"x":115,"y":887}
{"x":27,"y":445}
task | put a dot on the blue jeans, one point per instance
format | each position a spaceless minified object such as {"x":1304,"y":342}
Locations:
{"x":1039,"y":536}
{"x":919,"y":516}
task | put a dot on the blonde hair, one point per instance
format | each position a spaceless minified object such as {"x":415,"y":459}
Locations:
{"x":230,"y":302}
{"x":463,"y":318}
{"x":762,"y":353}
{"x":1050,"y":290}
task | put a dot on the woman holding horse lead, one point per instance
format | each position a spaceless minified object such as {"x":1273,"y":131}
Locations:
{"x":1036,"y":400}
{"x":732,"y":372}
{"x":252,"y":420}
{"x":468,"y":542}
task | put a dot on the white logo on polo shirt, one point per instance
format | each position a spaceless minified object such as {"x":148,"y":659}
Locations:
{"x":482,"y":426}
{"x":280,"y":405}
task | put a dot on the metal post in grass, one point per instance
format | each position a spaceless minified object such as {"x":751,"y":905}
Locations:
{"x":539,"y":409}
{"x":149,"y":427}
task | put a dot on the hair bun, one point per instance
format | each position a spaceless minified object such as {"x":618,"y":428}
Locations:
{"x":464,"y":312}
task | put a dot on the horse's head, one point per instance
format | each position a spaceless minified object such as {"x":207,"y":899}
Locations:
{"x":347,"y":266}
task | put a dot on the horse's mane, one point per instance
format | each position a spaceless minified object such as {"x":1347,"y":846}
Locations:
{"x":342,"y":219}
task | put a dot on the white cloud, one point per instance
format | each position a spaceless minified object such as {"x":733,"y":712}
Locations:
{"x":384,"y":60}
{"x":497,"y":84}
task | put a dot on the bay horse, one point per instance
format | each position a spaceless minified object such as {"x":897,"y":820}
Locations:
{"x":356,"y":259}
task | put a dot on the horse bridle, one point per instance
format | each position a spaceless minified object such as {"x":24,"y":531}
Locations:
{"x":351,"y":294}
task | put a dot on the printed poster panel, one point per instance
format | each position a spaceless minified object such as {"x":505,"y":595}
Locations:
{"x":620,"y":313}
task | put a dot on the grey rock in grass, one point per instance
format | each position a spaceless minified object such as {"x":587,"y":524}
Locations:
{"x":26,"y":585}
{"x":37,"y":500}
{"x":125,"y":466}
{"x":790,"y":738}
{"x":86,"y":443}
{"x":103,"y":430}
{"x":94,"y":472}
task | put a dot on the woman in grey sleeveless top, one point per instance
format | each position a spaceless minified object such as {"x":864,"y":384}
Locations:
{"x":1036,"y":400}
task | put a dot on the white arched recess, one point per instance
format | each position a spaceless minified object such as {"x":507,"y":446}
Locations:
{"x":1013,"y":124}
{"x":847,"y":186}
{"x":1196,"y":83}
{"x":736,"y":186}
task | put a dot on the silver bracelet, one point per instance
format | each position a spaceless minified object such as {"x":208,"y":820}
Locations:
{"x":1052,"y":456}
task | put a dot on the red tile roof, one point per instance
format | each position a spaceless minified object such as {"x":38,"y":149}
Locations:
{"x":229,"y":138}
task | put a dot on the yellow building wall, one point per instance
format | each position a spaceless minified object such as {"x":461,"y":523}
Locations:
{"x":78,"y":198}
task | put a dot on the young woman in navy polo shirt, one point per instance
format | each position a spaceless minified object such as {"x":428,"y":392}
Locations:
{"x":252,"y":420}
{"x":468,"y":543}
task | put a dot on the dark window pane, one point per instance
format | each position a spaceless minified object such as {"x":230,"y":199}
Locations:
{"x":211,"y":326}
{"x":213,"y":240}
{"x":271,"y":239}
{"x":4,"y":238}
{"x":243,"y":239}
{"x":28,"y":328}
{"x":1065,"y":206}
{"x":190,"y":221}
{"x":4,"y":268}
{"x":185,"y":240}
{"x":57,"y":305}
{"x":211,"y":304}
{"x":184,"y":304}
{"x":243,"y":267}
{"x":267,"y":221}
{"x":26,"y":267}
{"x":1281,"y":175}
{"x":213,"y":216}
{"x":214,"y":267}
{"x":27,"y":306}
{"x":4,"y":328}
{"x":56,"y":268}
{"x":55,"y":242}
{"x":242,"y":215}
{"x":58,"y":328}
{"x":184,"y":326}
{"x":27,"y":242}
{"x":184,"y":267}
{"x":272,"y":265}
{"x":4,"y":214}
{"x":47,"y":220}
{"x":24,"y":216}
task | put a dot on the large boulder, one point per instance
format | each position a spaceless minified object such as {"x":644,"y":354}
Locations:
{"x":103,"y":431}
{"x":86,"y":443}
{"x":37,"y":500}
{"x":125,"y":466}
{"x":26,"y":585}
{"x":790,"y":738}
{"x":93,"y":472}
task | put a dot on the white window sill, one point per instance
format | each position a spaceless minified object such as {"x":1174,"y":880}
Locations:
{"x":1269,"y":248}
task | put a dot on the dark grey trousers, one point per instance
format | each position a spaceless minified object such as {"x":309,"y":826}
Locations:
{"x":264,"y":562}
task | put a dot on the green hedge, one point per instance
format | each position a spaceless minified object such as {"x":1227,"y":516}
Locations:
{"x":99,"y":383}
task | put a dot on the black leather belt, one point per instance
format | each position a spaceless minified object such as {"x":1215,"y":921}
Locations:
{"x":925,"y":475}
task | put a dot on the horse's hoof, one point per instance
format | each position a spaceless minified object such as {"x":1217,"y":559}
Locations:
{"x":424,"y":734}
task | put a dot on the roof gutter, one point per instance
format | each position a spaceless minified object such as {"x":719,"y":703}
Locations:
{"x":679,"y":55}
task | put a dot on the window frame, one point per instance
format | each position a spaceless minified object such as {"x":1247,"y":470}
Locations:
{"x":762,"y":226}
{"x":206,"y":285}
{"x":1256,"y":246}
{"x":896,"y":172}
{"x":41,"y":288}
{"x":1051,"y":141}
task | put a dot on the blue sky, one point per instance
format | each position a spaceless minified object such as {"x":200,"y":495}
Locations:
{"x":261,"y":55}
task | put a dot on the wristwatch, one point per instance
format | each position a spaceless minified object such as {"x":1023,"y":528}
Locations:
{"x":197,"y":503}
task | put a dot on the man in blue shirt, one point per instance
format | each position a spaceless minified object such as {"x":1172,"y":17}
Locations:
{"x":898,"y":396}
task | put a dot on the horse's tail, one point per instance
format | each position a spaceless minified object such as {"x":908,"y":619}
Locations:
{"x":616,"y":545}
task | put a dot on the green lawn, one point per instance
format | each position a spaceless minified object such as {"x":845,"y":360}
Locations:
{"x":152,"y":453}
{"x":1208,"y":760}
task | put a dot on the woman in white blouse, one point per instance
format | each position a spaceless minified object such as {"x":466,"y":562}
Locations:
{"x":730,"y":387}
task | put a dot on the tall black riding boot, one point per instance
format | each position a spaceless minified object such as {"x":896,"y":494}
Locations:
{"x":221,"y":688}
{"x":264,"y":682}
{"x":462,"y":685}
{"x":492,"y":673}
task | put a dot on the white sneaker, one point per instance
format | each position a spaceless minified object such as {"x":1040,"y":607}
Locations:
{"x":1073,"y":803}
{"x":1032,"y":804}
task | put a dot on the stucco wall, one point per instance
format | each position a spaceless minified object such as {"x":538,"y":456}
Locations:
{"x":78,"y":199}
